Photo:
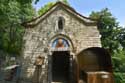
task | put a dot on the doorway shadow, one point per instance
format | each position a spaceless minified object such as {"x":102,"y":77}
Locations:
{"x":60,"y":67}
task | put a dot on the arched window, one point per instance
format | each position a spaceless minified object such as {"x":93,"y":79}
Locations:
{"x":60,"y":23}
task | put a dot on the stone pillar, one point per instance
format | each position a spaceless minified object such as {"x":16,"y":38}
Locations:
{"x":49,"y":67}
{"x":73,"y":68}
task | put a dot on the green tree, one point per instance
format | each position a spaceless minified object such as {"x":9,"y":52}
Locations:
{"x":119,"y":66}
{"x":49,"y":5}
{"x":12,"y":14}
{"x":109,"y":29}
{"x":119,"y":61}
{"x":113,"y":38}
{"x":64,"y":1}
{"x":45,"y":8}
{"x":121,"y":38}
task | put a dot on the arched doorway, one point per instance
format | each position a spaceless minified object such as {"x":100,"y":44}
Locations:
{"x":95,"y":59}
{"x":61,"y":61}
{"x":95,"y":62}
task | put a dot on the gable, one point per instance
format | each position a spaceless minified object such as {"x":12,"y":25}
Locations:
{"x":60,"y":6}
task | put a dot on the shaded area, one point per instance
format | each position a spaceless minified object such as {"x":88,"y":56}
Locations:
{"x":95,"y":59}
{"x":60,"y":67}
{"x":95,"y":62}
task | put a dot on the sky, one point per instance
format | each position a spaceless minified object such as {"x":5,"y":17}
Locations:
{"x":85,"y":7}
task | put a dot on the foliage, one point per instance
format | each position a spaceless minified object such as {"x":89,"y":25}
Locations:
{"x":113,"y":38}
{"x":121,"y":37}
{"x":64,"y":1}
{"x":36,"y":1}
{"x":12,"y":14}
{"x":119,"y":61}
{"x":49,"y":5}
{"x":108,"y":28}
{"x":45,"y":8}
{"x":119,"y":77}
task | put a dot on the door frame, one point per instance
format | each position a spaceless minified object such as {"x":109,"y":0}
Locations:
{"x":50,"y":66}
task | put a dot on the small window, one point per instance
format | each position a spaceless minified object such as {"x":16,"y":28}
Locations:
{"x":60,"y":23}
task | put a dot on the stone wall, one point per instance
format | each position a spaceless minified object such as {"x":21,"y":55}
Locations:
{"x":37,"y":40}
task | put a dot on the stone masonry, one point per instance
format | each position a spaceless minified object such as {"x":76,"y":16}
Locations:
{"x":38,"y":37}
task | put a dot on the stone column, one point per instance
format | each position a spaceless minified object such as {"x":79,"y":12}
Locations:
{"x":49,"y":67}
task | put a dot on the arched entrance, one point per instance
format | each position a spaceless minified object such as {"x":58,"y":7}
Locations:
{"x":94,"y":63}
{"x":61,"y":61}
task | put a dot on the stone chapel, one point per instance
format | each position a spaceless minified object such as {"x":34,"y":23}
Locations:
{"x":62,"y":46}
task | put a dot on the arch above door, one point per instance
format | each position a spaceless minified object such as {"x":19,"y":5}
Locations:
{"x":61,"y":42}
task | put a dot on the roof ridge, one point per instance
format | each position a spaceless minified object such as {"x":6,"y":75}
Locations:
{"x":56,"y":4}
